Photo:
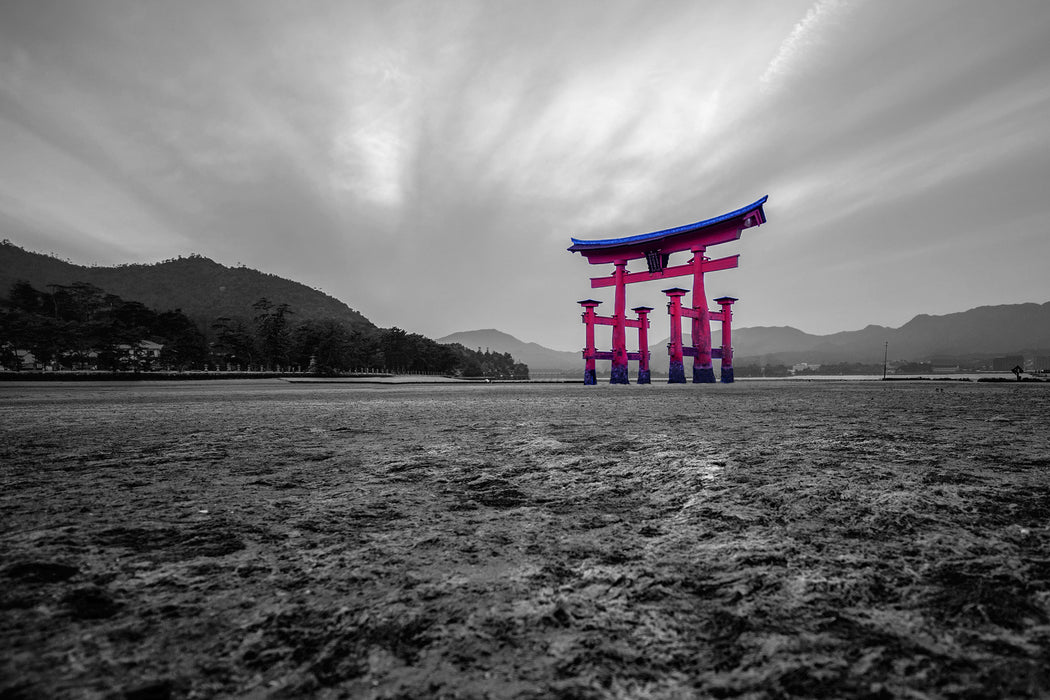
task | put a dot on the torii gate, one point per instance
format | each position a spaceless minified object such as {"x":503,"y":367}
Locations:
{"x":656,"y":248}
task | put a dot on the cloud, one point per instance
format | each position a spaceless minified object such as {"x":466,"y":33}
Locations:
{"x":807,"y":36}
{"x":49,"y":189}
{"x":375,"y":136}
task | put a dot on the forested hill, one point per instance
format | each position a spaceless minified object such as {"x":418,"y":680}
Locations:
{"x":202,"y":288}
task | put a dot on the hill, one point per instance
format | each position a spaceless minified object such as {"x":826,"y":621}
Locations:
{"x":539,"y":359}
{"x":984,"y":331}
{"x":73,"y":317}
{"x":202,"y":288}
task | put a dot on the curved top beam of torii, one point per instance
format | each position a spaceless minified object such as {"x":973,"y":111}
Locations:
{"x":720,"y":229}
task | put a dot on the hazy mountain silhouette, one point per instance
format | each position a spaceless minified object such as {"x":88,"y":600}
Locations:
{"x":202,"y":288}
{"x":983,"y":331}
{"x":537,"y":357}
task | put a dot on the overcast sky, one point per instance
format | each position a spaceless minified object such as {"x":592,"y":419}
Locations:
{"x":426,"y":162}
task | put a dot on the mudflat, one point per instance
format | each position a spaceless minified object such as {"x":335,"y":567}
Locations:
{"x":760,"y":539}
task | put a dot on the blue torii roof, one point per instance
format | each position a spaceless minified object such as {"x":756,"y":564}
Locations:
{"x":578,"y":244}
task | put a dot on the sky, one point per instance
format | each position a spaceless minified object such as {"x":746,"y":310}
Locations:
{"x":427,"y":162}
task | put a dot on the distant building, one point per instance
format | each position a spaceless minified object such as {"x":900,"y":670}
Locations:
{"x":150,"y":349}
{"x":143,"y":354}
{"x":944,"y":365}
{"x":1041,"y":363}
{"x":27,"y":360}
{"x":1007,"y":363}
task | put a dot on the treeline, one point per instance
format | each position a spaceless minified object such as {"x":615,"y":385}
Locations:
{"x":841,"y":369}
{"x":834,"y":369}
{"x":80,"y":326}
{"x":761,"y":370}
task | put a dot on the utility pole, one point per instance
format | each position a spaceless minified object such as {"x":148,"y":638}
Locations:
{"x":885,"y":357}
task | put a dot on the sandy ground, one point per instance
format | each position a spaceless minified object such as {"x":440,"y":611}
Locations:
{"x":763,"y":539}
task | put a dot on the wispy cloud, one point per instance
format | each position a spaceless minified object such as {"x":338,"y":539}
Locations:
{"x":50,"y":190}
{"x":808,"y":35}
{"x":375,"y":137}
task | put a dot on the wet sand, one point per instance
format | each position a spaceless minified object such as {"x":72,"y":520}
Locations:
{"x":761,"y":539}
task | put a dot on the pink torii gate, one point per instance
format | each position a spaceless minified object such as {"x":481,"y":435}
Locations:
{"x":656,"y":248}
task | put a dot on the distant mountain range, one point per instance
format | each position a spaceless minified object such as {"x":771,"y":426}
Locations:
{"x":981,"y":332}
{"x":202,"y":288}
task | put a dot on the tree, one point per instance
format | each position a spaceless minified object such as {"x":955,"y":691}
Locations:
{"x":272,"y":332}
{"x":474,"y":363}
{"x":78,"y":302}
{"x":80,"y":325}
{"x":396,"y":348}
{"x":184,"y":344}
{"x":23,"y":297}
{"x":234,"y":343}
{"x":45,"y":337}
{"x":472,"y":368}
{"x":8,"y":356}
{"x":330,"y":344}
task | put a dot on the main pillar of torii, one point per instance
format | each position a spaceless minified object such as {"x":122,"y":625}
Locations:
{"x":656,"y":248}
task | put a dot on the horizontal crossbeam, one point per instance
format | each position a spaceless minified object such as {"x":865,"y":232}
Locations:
{"x":695,"y":313}
{"x":690,"y":351}
{"x":607,"y":355}
{"x":610,"y":321}
{"x":676,"y":271}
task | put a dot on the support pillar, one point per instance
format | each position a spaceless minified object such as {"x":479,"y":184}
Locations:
{"x":703,"y":371}
{"x":590,"y":375}
{"x":727,"y":338}
{"x":619,"y":374}
{"x":643,"y":343}
{"x":676,"y":369}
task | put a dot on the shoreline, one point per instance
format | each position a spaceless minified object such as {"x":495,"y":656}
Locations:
{"x":110,"y":377}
